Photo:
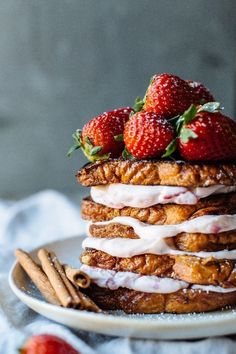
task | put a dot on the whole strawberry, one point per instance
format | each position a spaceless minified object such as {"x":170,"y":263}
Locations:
{"x":206,"y":135}
{"x":99,"y":138}
{"x":47,"y":344}
{"x":167,"y":95}
{"x":201,"y":94}
{"x":147,"y":135}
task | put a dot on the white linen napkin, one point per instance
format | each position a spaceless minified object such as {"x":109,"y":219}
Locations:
{"x":42,"y":218}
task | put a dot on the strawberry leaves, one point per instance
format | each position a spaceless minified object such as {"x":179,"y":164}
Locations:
{"x":170,"y":149}
{"x":119,"y":137}
{"x":95,"y":150}
{"x":127,"y":155}
{"x":186,"y":117}
{"x":78,"y":142}
{"x":89,"y":150}
{"x":211,"y":107}
{"x":187,"y":134}
{"x":138,"y":104}
{"x":92,"y":152}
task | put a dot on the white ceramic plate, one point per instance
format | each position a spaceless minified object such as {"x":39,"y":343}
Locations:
{"x":162,"y":326}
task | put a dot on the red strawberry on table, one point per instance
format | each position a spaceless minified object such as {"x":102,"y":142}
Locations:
{"x":167,"y":95}
{"x":47,"y":344}
{"x":201,"y":93}
{"x":204,"y":134}
{"x":99,"y":138}
{"x":147,"y":135}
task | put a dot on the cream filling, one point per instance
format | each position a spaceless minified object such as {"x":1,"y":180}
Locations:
{"x":121,"y":195}
{"x":126,"y":248}
{"x":151,"y":237}
{"x":207,"y":224}
{"x":146,"y":283}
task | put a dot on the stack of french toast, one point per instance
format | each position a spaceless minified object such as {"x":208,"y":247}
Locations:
{"x":162,"y":208}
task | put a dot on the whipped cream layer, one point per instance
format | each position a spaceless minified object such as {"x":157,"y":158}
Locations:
{"x":121,"y":195}
{"x":146,"y":283}
{"x":151,"y":237}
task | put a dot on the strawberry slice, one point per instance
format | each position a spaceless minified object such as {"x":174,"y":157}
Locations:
{"x":101,"y":137}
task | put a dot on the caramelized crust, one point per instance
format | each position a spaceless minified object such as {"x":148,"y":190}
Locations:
{"x":162,"y":213}
{"x":191,"y":269}
{"x":182,"y":301}
{"x":160,"y":172}
{"x":204,"y":242}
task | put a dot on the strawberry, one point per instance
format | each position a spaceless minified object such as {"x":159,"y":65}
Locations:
{"x":204,"y":134}
{"x":167,"y":95}
{"x":47,"y":344}
{"x":147,"y":135}
{"x":200,"y":92}
{"x":100,"y":137}
{"x":214,"y":138}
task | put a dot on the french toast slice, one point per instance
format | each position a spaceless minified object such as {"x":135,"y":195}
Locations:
{"x":182,"y":301}
{"x":165,"y":215}
{"x":157,"y":172}
{"x":161,"y":214}
{"x":191,"y":269}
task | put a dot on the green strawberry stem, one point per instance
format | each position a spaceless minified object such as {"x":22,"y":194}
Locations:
{"x":138,"y":104}
{"x":127,"y":155}
{"x":78,"y":142}
{"x":119,"y":137}
{"x":170,"y":149}
{"x":186,"y":134}
{"x":211,"y":107}
{"x":186,"y":117}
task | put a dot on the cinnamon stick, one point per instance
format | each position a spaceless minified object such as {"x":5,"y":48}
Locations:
{"x":72,"y":291}
{"x":37,"y":276}
{"x":77,"y":277}
{"x":52,"y":281}
{"x":55,"y":278}
{"x":88,"y":304}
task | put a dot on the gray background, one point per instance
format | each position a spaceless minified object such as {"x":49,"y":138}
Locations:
{"x":62,"y":62}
